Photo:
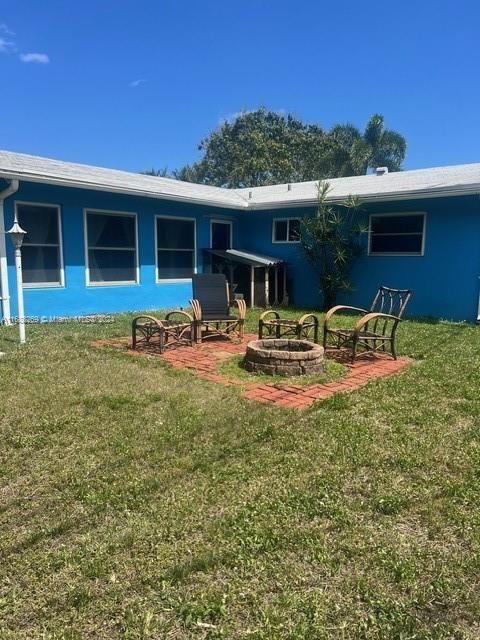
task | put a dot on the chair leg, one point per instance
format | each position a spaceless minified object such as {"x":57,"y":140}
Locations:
{"x":394,"y":352}
{"x":134,"y":338}
{"x":162,"y":339}
{"x":354,"y":348}
{"x":198,"y":332}
{"x":260,"y":329}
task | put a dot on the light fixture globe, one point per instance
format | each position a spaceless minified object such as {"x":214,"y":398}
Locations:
{"x":17,"y":235}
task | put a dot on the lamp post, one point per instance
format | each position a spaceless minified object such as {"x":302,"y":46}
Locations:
{"x":17,"y":234}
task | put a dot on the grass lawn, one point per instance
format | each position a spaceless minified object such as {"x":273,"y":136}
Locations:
{"x":233,"y":368}
{"x":141,"y":502}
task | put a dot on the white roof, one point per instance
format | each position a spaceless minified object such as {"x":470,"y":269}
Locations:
{"x":402,"y":185}
{"x":37,"y":169}
{"x":421,"y":183}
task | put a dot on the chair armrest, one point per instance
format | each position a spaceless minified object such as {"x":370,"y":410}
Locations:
{"x":242,"y":307}
{"x":151,"y":319}
{"x":179,"y":312}
{"x":374,"y":316}
{"x":197,"y":309}
{"x":306,"y":317}
{"x":270,"y":311}
{"x":342,"y":307}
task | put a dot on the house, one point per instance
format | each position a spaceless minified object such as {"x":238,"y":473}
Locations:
{"x":103,"y":241}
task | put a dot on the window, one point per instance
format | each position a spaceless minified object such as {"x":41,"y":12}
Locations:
{"x":41,"y":250}
{"x":286,"y":230}
{"x":175,"y":248}
{"x":220,"y":234}
{"x":398,"y":234}
{"x":111,"y":240}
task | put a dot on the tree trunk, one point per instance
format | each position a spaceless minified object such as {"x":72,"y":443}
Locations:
{"x":329,"y":299}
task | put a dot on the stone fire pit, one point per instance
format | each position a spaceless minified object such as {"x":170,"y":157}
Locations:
{"x":284,"y":357}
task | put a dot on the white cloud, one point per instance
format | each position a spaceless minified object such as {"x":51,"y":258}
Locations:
{"x":4,"y":29}
{"x":136,"y":83}
{"x":7,"y":45}
{"x":39,"y":58}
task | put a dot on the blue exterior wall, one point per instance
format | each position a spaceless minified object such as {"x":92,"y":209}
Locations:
{"x":256,"y":235}
{"x":76,"y":298}
{"x":445,"y":279}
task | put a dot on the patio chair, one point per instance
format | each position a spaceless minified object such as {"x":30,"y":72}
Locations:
{"x":211,"y":308}
{"x":377,"y":327}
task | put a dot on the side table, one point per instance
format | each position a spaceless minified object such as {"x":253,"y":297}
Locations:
{"x":271,"y":325}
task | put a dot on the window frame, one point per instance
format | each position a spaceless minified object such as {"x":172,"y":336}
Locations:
{"x":157,"y":249}
{"x":287,"y":220}
{"x":46,"y":285}
{"x":108,"y":283}
{"x":220,"y":221}
{"x":396,"y":253}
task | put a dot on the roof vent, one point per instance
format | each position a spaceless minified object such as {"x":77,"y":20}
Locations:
{"x":381,"y":171}
{"x":289,"y":187}
{"x":250,"y":195}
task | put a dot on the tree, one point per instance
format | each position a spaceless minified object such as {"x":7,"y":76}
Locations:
{"x":259,"y":148}
{"x":264,"y":147}
{"x":331,"y":241}
{"x":158,"y":173}
{"x":356,"y":153}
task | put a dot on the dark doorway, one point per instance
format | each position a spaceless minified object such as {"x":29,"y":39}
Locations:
{"x":221,"y":235}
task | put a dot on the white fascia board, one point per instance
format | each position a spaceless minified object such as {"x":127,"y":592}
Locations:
{"x":383,"y":197}
{"x":238,"y":202}
{"x":208,"y":202}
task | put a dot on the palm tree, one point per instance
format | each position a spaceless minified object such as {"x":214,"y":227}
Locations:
{"x":355,"y":153}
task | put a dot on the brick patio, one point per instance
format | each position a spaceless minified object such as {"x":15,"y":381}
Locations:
{"x":203,"y":361}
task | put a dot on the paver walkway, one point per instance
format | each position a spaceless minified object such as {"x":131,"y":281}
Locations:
{"x":203,"y":360}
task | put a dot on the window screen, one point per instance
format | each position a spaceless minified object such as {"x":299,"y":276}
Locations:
{"x":286,"y":230}
{"x":41,"y":255}
{"x":175,"y":248}
{"x":397,"y":234}
{"x":112,"y":247}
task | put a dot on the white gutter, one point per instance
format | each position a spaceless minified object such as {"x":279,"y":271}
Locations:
{"x":368,"y":198}
{"x":4,"y":290}
{"x":236,"y":202}
{"x":239,"y":201}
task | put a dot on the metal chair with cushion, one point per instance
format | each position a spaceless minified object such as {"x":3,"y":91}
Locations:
{"x":211,"y":308}
{"x":377,"y":327}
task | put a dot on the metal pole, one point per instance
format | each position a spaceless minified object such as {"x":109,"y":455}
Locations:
{"x":21,"y":310}
{"x":267,"y":286}
{"x":285,"y":294}
{"x":275,"y":302}
{"x":252,"y":286}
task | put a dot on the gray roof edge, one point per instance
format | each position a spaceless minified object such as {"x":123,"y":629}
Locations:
{"x":447,"y":181}
{"x":421,"y":194}
{"x":241,"y":204}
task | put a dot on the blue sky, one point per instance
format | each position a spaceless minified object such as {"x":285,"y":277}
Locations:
{"x":136,"y":84}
